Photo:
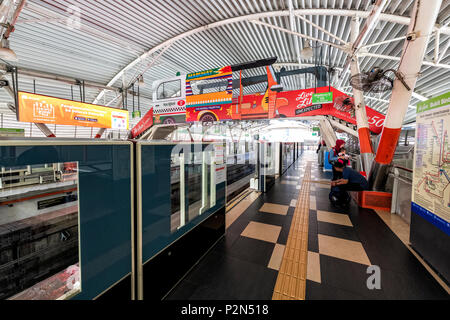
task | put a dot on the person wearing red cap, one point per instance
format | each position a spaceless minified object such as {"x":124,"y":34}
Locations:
{"x":333,"y":157}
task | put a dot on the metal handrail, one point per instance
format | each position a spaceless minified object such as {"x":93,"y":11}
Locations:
{"x":412,"y":147}
{"x":402,"y":168}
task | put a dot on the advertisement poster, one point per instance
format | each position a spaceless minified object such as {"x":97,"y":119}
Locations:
{"x":170,"y":112}
{"x":43,"y":109}
{"x":221,"y":169}
{"x":431,"y":179}
{"x":288,"y":104}
{"x":205,"y":103}
{"x":143,"y":124}
{"x":298,"y":103}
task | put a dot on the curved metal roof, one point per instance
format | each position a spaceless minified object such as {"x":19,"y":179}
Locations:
{"x":164,"y":37}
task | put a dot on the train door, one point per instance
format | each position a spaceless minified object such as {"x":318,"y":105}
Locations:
{"x":169,"y":98}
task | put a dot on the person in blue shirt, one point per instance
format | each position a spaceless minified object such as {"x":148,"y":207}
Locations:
{"x":351,"y":180}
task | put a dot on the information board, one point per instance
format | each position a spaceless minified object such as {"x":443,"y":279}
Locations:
{"x":431,"y":178}
{"x":320,"y":98}
{"x":221,"y":169}
{"x":43,"y":109}
{"x":9,"y":132}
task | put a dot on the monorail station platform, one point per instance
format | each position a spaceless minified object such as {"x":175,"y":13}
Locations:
{"x":261,"y":256}
{"x":265,"y":151}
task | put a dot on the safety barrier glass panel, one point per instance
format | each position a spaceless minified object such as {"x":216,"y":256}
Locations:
{"x":179,"y":186}
{"x":193,"y":181}
{"x":66,"y":219}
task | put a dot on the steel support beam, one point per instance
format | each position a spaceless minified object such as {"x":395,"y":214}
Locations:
{"x":301,"y":35}
{"x":294,"y":29}
{"x":423,"y":17}
{"x":328,"y":133}
{"x":444,"y":51}
{"x":322,"y":29}
{"x":342,"y":127}
{"x":382,"y":56}
{"x":366,"y":31}
{"x":382,"y":42}
{"x":16,"y":14}
{"x":365,"y":143}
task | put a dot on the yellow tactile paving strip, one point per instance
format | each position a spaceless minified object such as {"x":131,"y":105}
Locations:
{"x":291,"y":280}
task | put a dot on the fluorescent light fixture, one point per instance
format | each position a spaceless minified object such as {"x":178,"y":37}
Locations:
{"x":141,"y":81}
{"x":307,"y":52}
{"x":6,"y":53}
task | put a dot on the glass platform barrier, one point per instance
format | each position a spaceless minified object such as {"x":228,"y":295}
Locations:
{"x":180,"y":210}
{"x":66,"y":223}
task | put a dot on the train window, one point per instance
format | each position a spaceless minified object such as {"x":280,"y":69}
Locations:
{"x":169,"y":89}
{"x":39,"y":232}
{"x":208,"y":86}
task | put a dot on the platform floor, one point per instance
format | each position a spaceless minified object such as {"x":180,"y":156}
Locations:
{"x":342,"y":244}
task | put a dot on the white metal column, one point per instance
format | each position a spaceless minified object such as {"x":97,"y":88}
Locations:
{"x":423,"y":18}
{"x":365,"y":144}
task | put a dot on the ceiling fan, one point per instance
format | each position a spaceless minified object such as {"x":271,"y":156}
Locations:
{"x":376,"y":80}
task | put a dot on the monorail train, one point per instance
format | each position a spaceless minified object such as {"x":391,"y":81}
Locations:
{"x":45,"y":240}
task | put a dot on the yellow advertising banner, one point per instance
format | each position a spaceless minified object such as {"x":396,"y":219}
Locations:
{"x":44,"y":109}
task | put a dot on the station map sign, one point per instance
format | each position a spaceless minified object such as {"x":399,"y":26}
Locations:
{"x":431,"y":178}
{"x":44,"y":109}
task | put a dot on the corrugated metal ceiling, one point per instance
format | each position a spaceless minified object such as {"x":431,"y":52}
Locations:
{"x":113,"y":33}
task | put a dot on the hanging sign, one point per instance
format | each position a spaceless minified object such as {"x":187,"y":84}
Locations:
{"x":44,"y":109}
{"x":321,"y":98}
{"x":145,"y":123}
{"x":136,"y":114}
{"x":9,"y":132}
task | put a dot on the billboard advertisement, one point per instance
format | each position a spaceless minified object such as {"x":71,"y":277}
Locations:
{"x":298,"y":103}
{"x":44,"y":109}
{"x":209,"y":94}
{"x":288,"y":104}
{"x":143,"y":124}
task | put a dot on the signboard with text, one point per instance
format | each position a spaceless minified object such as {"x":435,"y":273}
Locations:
{"x":9,"y":132}
{"x":44,"y":109}
{"x":320,"y":98}
{"x":431,"y":178}
{"x":145,"y":123}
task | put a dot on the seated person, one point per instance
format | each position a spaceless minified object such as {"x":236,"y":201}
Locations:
{"x":351,"y":180}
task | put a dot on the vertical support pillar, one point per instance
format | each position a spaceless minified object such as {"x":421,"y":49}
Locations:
{"x":365,"y":144}
{"x":328,"y":132}
{"x":423,"y":18}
